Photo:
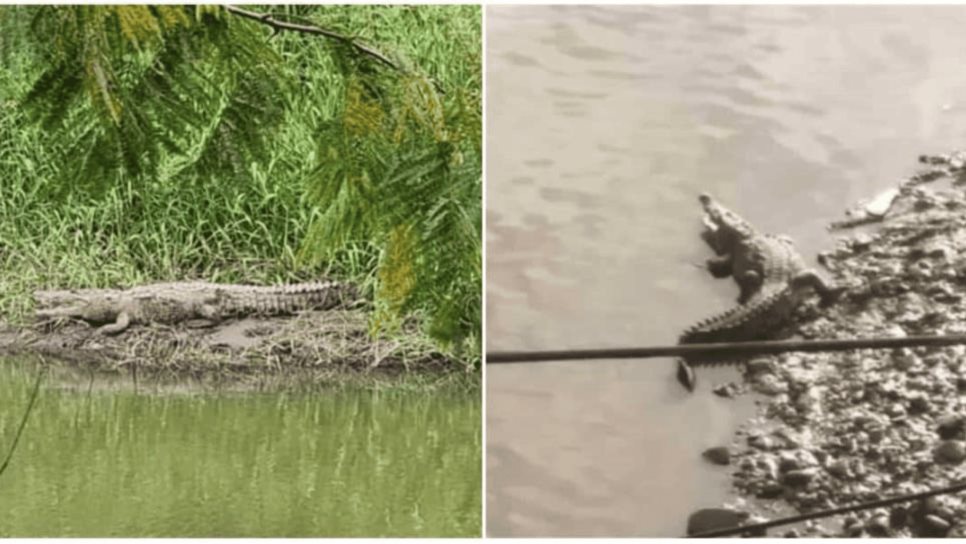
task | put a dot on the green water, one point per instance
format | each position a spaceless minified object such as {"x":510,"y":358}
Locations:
{"x":116,"y":463}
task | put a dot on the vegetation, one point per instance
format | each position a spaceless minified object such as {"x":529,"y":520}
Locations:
{"x":150,"y":143}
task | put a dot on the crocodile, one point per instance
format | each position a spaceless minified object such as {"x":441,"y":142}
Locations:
{"x":772,"y":277}
{"x":191,"y":302}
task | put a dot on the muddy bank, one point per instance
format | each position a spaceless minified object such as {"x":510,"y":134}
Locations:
{"x":837,"y":429}
{"x":312,"y":348}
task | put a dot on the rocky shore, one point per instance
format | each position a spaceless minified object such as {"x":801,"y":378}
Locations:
{"x":836,"y":429}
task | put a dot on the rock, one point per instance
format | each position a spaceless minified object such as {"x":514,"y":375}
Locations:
{"x":895,"y":410}
{"x":898,"y":517}
{"x":720,"y":455}
{"x":950,"y":451}
{"x":799,"y":477}
{"x":919,"y":404}
{"x":762,"y":365}
{"x":764,"y":443}
{"x":839,"y":468}
{"x":952,"y":427}
{"x":934,"y":526}
{"x":713,"y":519}
{"x":878,"y":526}
{"x":904,"y":359}
{"x":770,"y":490}
{"x":787,"y":462}
{"x":881,"y":204}
{"x":769,"y":466}
{"x":769,"y":384}
{"x":726,"y":390}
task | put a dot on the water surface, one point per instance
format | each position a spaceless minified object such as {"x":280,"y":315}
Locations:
{"x":349,"y":463}
{"x":604,"y":123}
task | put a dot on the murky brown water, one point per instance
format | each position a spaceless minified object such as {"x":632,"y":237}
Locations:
{"x":603,"y":126}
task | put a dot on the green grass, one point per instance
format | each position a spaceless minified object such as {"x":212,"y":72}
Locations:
{"x":181,"y":224}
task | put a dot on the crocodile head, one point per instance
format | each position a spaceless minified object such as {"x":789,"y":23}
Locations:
{"x":723,"y":228}
{"x":64,"y":304}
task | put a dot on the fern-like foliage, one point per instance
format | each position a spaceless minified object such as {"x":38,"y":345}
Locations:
{"x":131,"y":84}
{"x":400,"y":166}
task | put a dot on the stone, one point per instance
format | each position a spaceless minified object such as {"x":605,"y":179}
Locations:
{"x":799,"y":477}
{"x":878,"y":526}
{"x":720,"y":455}
{"x":726,"y":390}
{"x":761,"y":365}
{"x":839,"y":468}
{"x":712,"y":519}
{"x":769,"y":384}
{"x":770,"y":490}
{"x":934,"y":526}
{"x":952,"y":427}
{"x":762,"y":442}
{"x":950,"y":451}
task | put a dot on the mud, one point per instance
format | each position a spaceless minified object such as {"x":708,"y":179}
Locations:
{"x":312,"y":348}
{"x":837,"y":429}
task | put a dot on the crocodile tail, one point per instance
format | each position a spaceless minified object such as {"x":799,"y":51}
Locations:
{"x":750,"y":321}
{"x":287,"y":299}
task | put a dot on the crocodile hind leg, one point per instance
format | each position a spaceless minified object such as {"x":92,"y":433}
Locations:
{"x":121,"y":323}
{"x":826,"y":292}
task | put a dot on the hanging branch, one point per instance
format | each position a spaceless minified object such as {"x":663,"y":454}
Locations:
{"x":277,"y":25}
{"x":23,"y":422}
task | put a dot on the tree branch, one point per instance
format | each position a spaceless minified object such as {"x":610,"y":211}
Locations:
{"x":268,"y":19}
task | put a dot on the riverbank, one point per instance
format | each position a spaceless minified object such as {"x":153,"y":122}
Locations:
{"x":840,"y":429}
{"x":332,"y":348}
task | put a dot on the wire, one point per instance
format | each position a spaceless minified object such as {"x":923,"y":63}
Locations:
{"x":724,"y":349}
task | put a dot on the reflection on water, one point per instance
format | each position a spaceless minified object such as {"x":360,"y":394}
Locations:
{"x":604,"y":124}
{"x":113,"y":463}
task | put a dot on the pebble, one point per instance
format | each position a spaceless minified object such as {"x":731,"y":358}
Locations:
{"x":799,"y":477}
{"x":952,"y":427}
{"x":762,"y":442}
{"x":761,"y":366}
{"x":720,"y":455}
{"x":769,"y":384}
{"x":726,"y":390}
{"x":839,"y":468}
{"x":934,"y":526}
{"x":878,"y":526}
{"x":770,"y":490}
{"x":950,"y":451}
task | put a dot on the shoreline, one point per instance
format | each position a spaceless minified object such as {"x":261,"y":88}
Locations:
{"x":837,"y":429}
{"x":312,"y":350}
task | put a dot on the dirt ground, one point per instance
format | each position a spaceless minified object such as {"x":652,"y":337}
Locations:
{"x":312,"y":348}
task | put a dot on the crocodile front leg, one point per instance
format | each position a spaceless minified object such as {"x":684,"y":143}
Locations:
{"x":121,"y":323}
{"x":749,"y":283}
{"x":720,"y":267}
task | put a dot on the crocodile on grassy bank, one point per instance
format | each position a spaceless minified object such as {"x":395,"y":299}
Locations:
{"x":194,"y":302}
{"x":294,"y":334}
{"x":771,"y":275}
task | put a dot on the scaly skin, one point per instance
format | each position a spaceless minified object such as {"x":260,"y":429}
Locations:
{"x":770,"y":273}
{"x":185,"y":302}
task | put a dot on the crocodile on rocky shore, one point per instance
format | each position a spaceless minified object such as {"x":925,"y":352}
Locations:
{"x":186,"y":302}
{"x":771,"y":275}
